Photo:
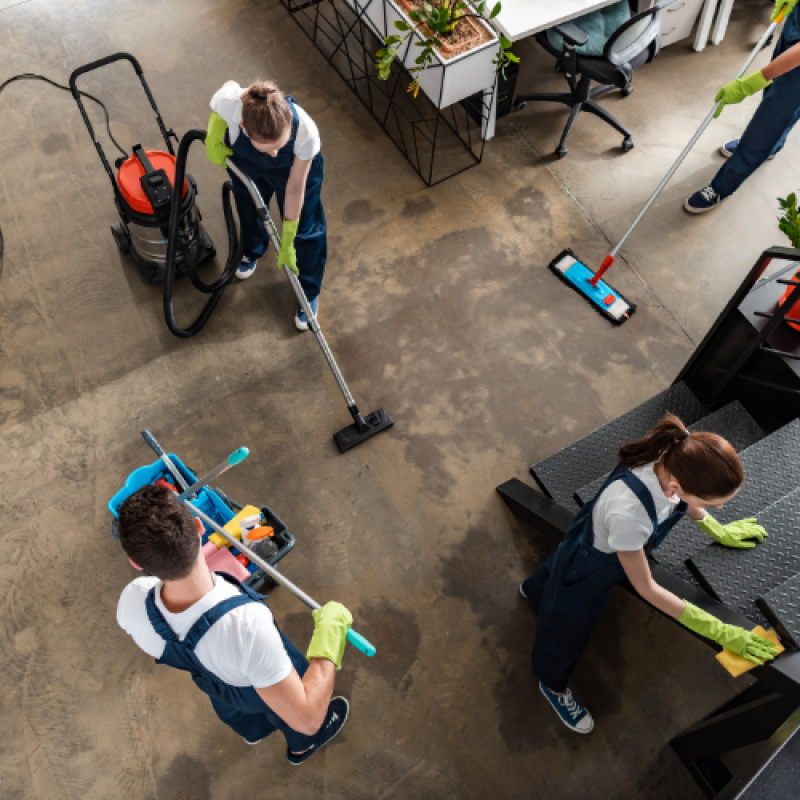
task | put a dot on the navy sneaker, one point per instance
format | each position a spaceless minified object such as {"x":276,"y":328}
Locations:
{"x":729,"y":148}
{"x":251,"y":743}
{"x":300,"y":321}
{"x":702,"y":201}
{"x":334,"y":722}
{"x":246,"y":268}
{"x":522,"y":591}
{"x":569,"y":710}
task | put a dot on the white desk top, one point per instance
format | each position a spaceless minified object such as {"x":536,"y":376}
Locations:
{"x":521,"y":18}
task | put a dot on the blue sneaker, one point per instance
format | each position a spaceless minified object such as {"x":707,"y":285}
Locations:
{"x":569,"y":710}
{"x":729,"y":148}
{"x":702,"y":201}
{"x":246,"y":268}
{"x":334,"y":722}
{"x":300,"y":320}
{"x":522,"y":591}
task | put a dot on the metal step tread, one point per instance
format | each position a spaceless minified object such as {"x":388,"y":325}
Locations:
{"x":732,"y":422}
{"x":781,"y":607}
{"x":762,"y":487}
{"x":739,"y":577}
{"x":561,"y":474}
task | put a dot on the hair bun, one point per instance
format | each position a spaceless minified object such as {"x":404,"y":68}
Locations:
{"x":262,"y":90}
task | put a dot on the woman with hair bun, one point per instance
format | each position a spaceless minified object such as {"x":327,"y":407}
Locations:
{"x":659,"y":478}
{"x":277,"y":144}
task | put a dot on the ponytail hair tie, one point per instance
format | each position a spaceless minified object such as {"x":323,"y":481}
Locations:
{"x":685,"y":436}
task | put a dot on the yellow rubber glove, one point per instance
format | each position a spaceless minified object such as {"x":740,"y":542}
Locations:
{"x":745,"y":644}
{"x":216,"y":151}
{"x":734,"y":534}
{"x":780,"y":5}
{"x":287,"y":256}
{"x":330,"y":633}
{"x":738,"y":89}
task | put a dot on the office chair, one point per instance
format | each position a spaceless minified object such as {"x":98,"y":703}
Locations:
{"x":634,"y":43}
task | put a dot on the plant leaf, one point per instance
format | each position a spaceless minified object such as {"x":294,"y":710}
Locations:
{"x":512,"y":57}
{"x":505,"y":43}
{"x":495,"y":11}
{"x":402,"y":25}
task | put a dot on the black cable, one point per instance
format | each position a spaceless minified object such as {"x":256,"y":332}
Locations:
{"x":30,"y":76}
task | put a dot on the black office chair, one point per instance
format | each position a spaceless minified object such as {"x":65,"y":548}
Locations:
{"x":634,"y":43}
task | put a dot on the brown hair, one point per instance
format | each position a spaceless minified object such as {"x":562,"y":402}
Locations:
{"x":265,"y":112}
{"x":158,"y":533}
{"x":704,"y":464}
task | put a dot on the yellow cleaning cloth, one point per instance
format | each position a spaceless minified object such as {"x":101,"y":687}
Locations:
{"x":233,"y":526}
{"x":737,"y":665}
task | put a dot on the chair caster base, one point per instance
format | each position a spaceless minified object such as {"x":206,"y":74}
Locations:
{"x":627,"y":145}
{"x":628,"y":90}
{"x":561,"y":151}
{"x":520,"y":105}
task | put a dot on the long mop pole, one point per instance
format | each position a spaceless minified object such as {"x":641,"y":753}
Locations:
{"x":609,"y":259}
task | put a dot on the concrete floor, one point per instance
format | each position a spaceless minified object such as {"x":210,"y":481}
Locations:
{"x":438,"y":304}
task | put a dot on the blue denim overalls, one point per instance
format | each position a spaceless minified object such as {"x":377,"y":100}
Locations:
{"x":571,"y":589}
{"x":271,"y":174}
{"x":775,"y":116}
{"x":241,"y":707}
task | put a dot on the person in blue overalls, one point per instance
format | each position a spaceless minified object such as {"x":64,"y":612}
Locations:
{"x":659,"y":478}
{"x":277,"y":144}
{"x":777,"y":114}
{"x":223,"y":634}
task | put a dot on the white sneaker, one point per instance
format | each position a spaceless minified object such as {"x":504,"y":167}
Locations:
{"x":300,"y":321}
{"x":246,"y":268}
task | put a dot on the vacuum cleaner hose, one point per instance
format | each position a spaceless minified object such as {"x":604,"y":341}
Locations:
{"x":217,"y":288}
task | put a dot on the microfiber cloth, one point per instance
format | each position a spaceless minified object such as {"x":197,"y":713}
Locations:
{"x":598,"y":26}
{"x":737,"y":665}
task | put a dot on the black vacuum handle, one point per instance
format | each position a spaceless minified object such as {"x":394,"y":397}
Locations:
{"x":73,"y":85}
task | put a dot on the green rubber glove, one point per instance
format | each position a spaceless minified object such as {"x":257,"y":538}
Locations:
{"x":734,"y":534}
{"x":738,"y":89}
{"x":287,"y":256}
{"x":781,"y":4}
{"x":330,"y":633}
{"x":216,"y":152}
{"x":737,"y":640}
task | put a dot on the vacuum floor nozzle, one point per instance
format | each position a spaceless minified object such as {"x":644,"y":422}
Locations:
{"x":605,"y":300}
{"x":354,"y":434}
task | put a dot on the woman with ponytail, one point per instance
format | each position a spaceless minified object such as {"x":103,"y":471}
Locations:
{"x":277,"y":144}
{"x":659,"y":478}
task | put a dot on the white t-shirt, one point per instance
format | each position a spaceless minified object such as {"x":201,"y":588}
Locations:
{"x":620,"y":520}
{"x":243,"y":648}
{"x":227,"y":103}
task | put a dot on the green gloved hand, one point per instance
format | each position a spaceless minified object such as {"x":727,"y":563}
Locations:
{"x":734,"y":534}
{"x":216,"y":152}
{"x":738,"y":89}
{"x":287,"y":256}
{"x":330,"y":633}
{"x":780,"y":5}
{"x":737,"y":640}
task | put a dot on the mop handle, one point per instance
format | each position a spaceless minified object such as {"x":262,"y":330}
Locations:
{"x":706,"y":122}
{"x":356,"y":639}
{"x":231,"y":461}
{"x":159,"y":451}
{"x":272,"y":231}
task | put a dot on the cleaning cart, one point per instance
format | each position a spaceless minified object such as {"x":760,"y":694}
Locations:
{"x":214,"y":503}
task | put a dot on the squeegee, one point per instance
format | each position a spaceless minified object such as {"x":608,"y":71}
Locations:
{"x":609,"y":302}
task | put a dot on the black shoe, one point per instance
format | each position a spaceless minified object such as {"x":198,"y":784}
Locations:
{"x":334,"y":722}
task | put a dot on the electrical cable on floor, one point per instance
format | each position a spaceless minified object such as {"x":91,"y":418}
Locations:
{"x":31,"y":76}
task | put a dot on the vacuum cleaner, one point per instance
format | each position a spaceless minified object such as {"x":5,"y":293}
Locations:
{"x":166,"y":240}
{"x":607,"y":301}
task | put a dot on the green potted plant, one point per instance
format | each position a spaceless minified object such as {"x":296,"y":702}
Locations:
{"x":789,"y":223}
{"x":450,"y":34}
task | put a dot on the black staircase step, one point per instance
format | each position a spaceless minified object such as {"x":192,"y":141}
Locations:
{"x":781,"y":607}
{"x":739,"y":577}
{"x":763,"y":485}
{"x":732,"y":422}
{"x":595,"y":454}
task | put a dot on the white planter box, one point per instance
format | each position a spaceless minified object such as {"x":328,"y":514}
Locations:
{"x":446,"y":81}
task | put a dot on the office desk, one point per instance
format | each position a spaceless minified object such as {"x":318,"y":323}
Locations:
{"x":521,"y":18}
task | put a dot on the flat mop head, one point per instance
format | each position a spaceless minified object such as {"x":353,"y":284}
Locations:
{"x":605,"y":300}
{"x":362,"y":429}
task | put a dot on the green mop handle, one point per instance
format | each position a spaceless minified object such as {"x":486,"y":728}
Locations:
{"x":356,"y":639}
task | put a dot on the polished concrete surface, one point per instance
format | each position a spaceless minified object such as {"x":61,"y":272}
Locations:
{"x":439,"y":307}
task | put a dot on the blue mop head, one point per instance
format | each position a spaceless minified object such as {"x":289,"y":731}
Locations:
{"x":605,"y":300}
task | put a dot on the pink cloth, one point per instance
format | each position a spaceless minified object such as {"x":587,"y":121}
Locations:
{"x":224,"y":561}
{"x":209,"y":548}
